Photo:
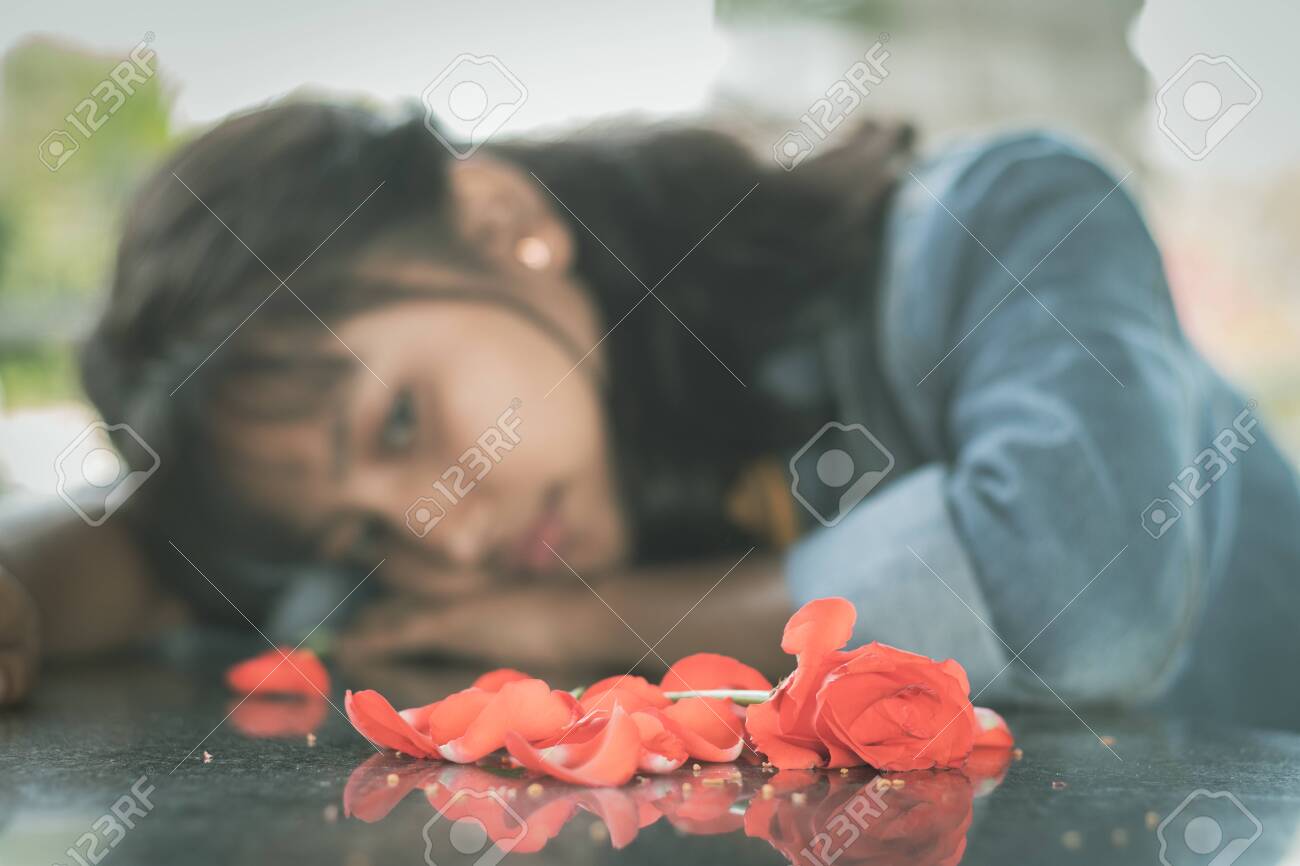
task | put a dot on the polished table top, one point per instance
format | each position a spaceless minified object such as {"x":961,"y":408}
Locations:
{"x":139,"y":761}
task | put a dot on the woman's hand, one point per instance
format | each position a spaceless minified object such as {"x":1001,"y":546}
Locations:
{"x":19,"y":639}
{"x":607,"y":623}
{"x":532,"y":626}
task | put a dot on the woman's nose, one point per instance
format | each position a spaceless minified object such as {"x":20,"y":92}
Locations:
{"x":460,"y":534}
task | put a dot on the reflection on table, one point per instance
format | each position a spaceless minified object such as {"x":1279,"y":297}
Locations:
{"x":812,"y":817}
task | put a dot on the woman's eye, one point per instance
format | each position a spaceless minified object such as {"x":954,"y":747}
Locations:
{"x":399,"y":427}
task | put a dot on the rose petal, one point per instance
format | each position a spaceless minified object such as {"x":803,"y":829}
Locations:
{"x":662,"y":751}
{"x":991,"y":730}
{"x":703,"y":671}
{"x":800,"y":706}
{"x":819,"y":626}
{"x":527,"y":708}
{"x":602,"y":752}
{"x":790,"y":738}
{"x":376,"y":720}
{"x":763,"y":722}
{"x":629,"y":692}
{"x":282,"y":671}
{"x":708,"y":727}
{"x":492,"y":681}
{"x":450,"y":717}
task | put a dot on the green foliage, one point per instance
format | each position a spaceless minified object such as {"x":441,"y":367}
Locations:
{"x":57,"y":227}
{"x":46,"y":374}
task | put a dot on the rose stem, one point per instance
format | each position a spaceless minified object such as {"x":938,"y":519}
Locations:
{"x":740,"y":696}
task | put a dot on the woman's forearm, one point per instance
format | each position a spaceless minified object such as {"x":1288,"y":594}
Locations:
{"x":732,"y":605}
{"x":91,"y":587}
{"x":639,"y":618}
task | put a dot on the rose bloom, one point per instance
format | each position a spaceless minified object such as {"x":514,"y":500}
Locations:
{"x":876,"y":704}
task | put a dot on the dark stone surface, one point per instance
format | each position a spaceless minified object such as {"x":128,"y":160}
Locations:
{"x":90,"y":733}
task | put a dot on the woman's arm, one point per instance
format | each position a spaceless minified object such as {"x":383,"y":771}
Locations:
{"x":730,"y":605}
{"x":68,"y":589}
{"x":1053,"y":411}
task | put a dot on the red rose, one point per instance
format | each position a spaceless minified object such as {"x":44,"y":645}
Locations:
{"x":782,"y":727}
{"x":876,"y":705}
{"x":895,"y":710}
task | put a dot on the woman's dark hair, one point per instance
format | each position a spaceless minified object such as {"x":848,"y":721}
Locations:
{"x":193,"y":311}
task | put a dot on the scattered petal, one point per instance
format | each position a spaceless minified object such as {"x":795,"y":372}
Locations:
{"x":991,"y":730}
{"x":662,"y":751}
{"x":703,"y":671}
{"x":708,"y":727}
{"x":601,"y":752}
{"x":528,"y":709}
{"x":376,"y":720}
{"x":280,"y":671}
{"x":629,"y":692}
{"x":492,"y":681}
{"x":819,"y":627}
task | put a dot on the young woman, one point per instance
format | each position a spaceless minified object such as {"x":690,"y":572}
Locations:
{"x":570,"y":402}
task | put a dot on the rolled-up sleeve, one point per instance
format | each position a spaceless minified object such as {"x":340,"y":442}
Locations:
{"x":887,"y":556}
{"x":1054,"y":410}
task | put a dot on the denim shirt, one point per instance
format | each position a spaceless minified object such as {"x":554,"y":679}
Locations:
{"x":1025,"y":371}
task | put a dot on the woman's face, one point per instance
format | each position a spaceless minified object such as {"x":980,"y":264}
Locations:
{"x":469,"y":445}
{"x":464,"y":445}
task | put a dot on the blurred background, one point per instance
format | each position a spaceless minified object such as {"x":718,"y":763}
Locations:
{"x":92,"y":95}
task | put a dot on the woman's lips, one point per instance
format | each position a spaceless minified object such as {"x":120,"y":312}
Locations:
{"x":534,"y":551}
